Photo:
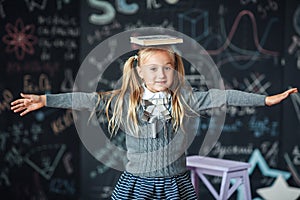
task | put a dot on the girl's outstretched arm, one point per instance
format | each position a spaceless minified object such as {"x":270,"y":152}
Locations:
{"x":275,"y":99}
{"x":75,"y":100}
{"x":215,"y":98}
{"x":28,"y":103}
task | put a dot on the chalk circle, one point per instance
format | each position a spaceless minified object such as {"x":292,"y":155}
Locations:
{"x":95,"y":139}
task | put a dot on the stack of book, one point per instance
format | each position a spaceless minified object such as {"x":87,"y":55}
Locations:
{"x":152,"y":40}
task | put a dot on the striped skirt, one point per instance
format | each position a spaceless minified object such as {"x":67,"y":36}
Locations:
{"x":130,"y":187}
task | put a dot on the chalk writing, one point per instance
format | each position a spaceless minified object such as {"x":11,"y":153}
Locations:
{"x":296,"y":154}
{"x":42,"y":85}
{"x":7,"y":97}
{"x":13,"y":157}
{"x":58,"y":32}
{"x":264,"y":9}
{"x":221,"y":151}
{"x":3,"y":139}
{"x":57,"y":20}
{"x":263,"y":126}
{"x":294,"y":45}
{"x":125,"y":8}
{"x":152,"y":4}
{"x":234,"y":127}
{"x":232,"y":111}
{"x":271,"y":5}
{"x":270,"y":151}
{"x":67,"y":84}
{"x":59,"y":3}
{"x":32,"y":4}
{"x":62,"y":122}
{"x":58,"y":42}
{"x":62,"y":186}
{"x":4,"y":178}
{"x":39,"y":39}
{"x":67,"y":163}
{"x":240,"y":111}
{"x":41,"y":4}
{"x":139,"y":24}
{"x":20,"y":134}
{"x":32,"y":67}
{"x":107,"y":11}
{"x":104,"y":32}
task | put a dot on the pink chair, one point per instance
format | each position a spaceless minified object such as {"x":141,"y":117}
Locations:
{"x":229,"y":171}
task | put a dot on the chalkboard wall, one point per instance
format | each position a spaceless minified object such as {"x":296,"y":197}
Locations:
{"x":255,"y":45}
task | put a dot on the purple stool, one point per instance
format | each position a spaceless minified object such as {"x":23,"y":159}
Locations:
{"x":227,"y":169}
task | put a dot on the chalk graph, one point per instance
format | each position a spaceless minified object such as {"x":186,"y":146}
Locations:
{"x":233,"y":30}
{"x":238,"y":54}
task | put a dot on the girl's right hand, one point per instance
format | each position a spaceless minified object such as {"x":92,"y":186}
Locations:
{"x":28,"y":103}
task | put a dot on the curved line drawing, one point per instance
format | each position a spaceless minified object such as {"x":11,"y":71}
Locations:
{"x":263,"y":39}
{"x":227,"y":42}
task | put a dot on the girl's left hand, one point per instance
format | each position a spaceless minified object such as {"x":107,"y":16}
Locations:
{"x":275,"y":99}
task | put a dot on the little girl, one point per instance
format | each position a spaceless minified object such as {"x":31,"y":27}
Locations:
{"x":151,"y":107}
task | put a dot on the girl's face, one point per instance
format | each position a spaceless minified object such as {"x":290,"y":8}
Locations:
{"x":157,"y":71}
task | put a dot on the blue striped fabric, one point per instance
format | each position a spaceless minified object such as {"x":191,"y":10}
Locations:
{"x":130,"y":187}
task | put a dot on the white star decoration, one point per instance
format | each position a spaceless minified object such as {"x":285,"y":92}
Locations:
{"x":279,"y":190}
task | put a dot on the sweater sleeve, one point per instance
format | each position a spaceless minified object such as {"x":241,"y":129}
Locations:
{"x":76,"y":100}
{"x":217,"y":98}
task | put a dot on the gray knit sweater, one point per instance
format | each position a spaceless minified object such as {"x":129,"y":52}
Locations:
{"x":163,"y":156}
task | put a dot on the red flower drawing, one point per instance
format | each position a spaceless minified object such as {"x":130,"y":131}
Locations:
{"x":19,"y":39}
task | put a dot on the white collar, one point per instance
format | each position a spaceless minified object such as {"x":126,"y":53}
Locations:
{"x":154,"y":95}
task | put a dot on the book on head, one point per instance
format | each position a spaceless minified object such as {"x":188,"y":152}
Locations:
{"x":150,"y":40}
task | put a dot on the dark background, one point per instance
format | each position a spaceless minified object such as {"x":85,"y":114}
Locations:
{"x":255,"y":45}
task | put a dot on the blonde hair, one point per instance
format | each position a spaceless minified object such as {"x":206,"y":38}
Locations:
{"x":132,"y":85}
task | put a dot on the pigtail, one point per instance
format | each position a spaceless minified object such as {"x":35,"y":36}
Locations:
{"x":131,"y":85}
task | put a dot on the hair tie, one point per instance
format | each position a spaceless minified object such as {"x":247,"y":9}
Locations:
{"x":135,"y":57}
